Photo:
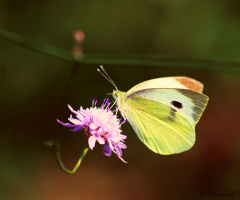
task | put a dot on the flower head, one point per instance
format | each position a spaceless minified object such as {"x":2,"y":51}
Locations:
{"x":101,"y":126}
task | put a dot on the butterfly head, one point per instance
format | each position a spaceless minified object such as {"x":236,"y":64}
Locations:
{"x":115,"y":94}
{"x":119,"y":96}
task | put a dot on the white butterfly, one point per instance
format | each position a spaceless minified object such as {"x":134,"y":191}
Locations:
{"x":163,"y":112}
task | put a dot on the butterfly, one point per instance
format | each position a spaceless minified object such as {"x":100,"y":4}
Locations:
{"x":163,"y":111}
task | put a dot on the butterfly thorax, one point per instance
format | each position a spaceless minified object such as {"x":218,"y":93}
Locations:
{"x":121,"y":99}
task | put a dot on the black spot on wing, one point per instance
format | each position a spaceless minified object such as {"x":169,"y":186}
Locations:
{"x":177,"y":104}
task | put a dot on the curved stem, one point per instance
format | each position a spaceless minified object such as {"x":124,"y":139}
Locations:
{"x":217,"y":64}
{"x":59,"y":159}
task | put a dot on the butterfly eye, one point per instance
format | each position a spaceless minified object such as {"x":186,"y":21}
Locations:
{"x":114,"y":94}
{"x":177,"y":104}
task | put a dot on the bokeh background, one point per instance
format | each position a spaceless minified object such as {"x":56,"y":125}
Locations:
{"x":36,"y":88}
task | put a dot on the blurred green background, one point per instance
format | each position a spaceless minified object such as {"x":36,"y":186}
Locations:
{"x":36,"y":88}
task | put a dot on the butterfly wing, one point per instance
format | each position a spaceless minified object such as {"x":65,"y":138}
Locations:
{"x":189,"y":103}
{"x":161,"y":128}
{"x":164,"y":118}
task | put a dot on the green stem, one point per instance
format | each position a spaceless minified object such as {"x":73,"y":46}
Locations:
{"x":217,"y":64}
{"x":58,"y":154}
{"x":36,"y":46}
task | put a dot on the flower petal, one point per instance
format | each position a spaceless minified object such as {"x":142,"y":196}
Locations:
{"x":74,"y":121}
{"x":107,"y":150}
{"x":77,"y":128}
{"x":93,"y":126}
{"x":70,"y":108}
{"x":65,"y":124}
{"x":122,"y":159}
{"x":91,"y":142}
{"x":100,"y":140}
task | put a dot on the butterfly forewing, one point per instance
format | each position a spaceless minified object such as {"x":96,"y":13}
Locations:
{"x":189,"y":103}
{"x":159,"y":127}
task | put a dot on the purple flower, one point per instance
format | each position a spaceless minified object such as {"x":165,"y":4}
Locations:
{"x":101,"y":126}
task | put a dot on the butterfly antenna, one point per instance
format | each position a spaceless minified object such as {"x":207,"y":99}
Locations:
{"x":106,"y":76}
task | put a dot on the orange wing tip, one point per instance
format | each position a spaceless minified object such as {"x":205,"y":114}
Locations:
{"x":190,"y":83}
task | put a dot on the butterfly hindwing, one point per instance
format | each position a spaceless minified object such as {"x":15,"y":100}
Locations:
{"x":180,"y":82}
{"x":161,"y":128}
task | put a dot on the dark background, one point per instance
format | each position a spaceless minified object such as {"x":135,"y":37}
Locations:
{"x":36,"y":88}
